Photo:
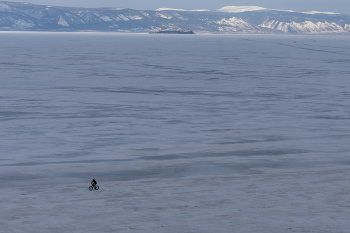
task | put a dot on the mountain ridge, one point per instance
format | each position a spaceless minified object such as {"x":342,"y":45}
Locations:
{"x":17,"y":16}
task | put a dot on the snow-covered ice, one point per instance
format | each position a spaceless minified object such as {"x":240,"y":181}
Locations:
{"x":200,"y":133}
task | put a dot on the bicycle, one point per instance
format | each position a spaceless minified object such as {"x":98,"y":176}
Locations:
{"x":94,"y":186}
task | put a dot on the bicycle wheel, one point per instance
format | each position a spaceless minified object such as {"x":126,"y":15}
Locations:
{"x":96,"y":187}
{"x":90,"y":188}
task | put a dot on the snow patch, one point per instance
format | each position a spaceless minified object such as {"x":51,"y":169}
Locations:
{"x":165,"y":16}
{"x":63,"y":22}
{"x":173,"y":9}
{"x":21,"y":24}
{"x":106,"y":18}
{"x":235,"y":25}
{"x":347,"y":27}
{"x":180,"y":17}
{"x":145,"y":14}
{"x":127,"y":17}
{"x":169,"y":9}
{"x":200,"y":10}
{"x":318,"y":12}
{"x":281,"y":10}
{"x":135,"y":17}
{"x":307,"y":27}
{"x":5,"y":8}
{"x":236,"y":9}
{"x":122,"y":17}
{"x":233,"y":22}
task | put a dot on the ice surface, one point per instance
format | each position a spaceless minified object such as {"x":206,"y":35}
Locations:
{"x":182,"y":133}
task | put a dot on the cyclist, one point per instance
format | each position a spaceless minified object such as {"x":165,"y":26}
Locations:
{"x":93,"y":182}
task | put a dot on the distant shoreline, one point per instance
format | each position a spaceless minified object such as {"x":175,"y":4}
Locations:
{"x":227,"y":20}
{"x":195,"y":33}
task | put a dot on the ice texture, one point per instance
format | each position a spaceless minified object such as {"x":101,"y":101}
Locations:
{"x":199,"y":133}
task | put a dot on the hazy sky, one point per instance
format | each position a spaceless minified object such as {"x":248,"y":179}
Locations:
{"x":339,"y":6}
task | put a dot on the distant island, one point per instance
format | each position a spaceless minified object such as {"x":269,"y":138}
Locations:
{"x":173,"y":31}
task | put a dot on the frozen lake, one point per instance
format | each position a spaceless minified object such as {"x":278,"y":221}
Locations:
{"x":183,"y":133}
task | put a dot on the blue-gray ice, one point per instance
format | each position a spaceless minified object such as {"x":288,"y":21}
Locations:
{"x":197,"y":133}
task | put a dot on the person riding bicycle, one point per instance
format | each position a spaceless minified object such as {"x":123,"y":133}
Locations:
{"x":93,"y":182}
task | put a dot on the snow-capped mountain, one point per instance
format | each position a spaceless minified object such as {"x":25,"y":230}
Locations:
{"x":16,"y":16}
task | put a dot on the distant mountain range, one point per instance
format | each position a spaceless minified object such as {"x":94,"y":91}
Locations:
{"x":15,"y":16}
